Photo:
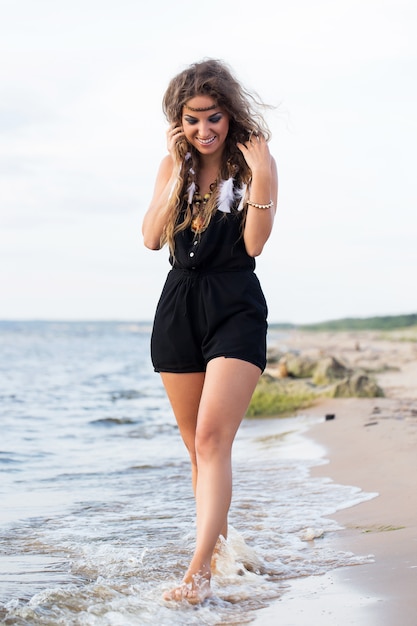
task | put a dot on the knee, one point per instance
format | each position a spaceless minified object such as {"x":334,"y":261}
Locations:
{"x":208,"y":442}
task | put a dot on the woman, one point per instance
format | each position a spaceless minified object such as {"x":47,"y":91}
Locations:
{"x":214,"y":205}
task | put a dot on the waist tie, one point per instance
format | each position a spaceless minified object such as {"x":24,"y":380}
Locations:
{"x":191,"y":277}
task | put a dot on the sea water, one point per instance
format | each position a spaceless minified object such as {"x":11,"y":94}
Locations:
{"x":96,"y":506}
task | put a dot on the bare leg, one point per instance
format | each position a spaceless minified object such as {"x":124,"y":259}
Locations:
{"x":226,"y":393}
{"x":184,"y":393}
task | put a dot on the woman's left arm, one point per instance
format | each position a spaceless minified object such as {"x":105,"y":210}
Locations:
{"x":263,"y":191}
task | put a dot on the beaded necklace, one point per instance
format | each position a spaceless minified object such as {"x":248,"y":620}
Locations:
{"x":198,"y":223}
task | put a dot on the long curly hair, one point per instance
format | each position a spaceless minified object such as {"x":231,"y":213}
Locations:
{"x":210,"y":77}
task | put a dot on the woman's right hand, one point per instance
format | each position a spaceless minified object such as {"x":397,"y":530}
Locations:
{"x":174,"y":134}
{"x":176,"y":143}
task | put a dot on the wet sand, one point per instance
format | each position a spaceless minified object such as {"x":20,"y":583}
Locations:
{"x":371,"y":444}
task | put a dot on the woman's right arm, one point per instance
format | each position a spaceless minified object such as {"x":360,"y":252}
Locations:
{"x":157,"y":213}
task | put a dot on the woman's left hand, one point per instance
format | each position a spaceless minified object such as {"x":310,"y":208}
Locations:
{"x":256,"y":153}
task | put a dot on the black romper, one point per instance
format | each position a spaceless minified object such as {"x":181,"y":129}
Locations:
{"x":212,"y":304}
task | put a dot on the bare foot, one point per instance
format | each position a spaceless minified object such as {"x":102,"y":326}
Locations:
{"x":194,"y":591}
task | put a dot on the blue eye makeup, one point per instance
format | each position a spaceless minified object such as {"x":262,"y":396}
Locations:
{"x":216,"y":117}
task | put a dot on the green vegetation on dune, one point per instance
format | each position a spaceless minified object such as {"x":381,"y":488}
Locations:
{"x":400,"y":334}
{"x":386,"y":322}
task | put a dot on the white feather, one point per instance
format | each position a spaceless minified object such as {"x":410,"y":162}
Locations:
{"x":241,"y":193}
{"x":226,"y":195}
{"x":191,"y":192}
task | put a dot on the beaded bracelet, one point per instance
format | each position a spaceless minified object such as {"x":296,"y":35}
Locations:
{"x":261,"y":206}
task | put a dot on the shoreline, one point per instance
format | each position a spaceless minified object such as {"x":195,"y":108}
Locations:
{"x":371,"y":444}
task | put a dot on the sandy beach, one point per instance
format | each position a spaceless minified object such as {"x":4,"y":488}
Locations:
{"x":371,"y":443}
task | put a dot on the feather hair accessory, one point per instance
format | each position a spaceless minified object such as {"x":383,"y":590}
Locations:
{"x":241,"y":194}
{"x":226,"y":195}
{"x":191,"y":191}
{"x":192,"y":187}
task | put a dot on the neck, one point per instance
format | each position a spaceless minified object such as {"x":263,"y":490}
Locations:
{"x":210,"y":161}
{"x":208,"y":172}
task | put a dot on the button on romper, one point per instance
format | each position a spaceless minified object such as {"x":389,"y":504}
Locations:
{"x":212,"y":304}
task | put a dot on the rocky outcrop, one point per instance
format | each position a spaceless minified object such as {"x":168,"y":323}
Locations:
{"x":359,"y":385}
{"x":297,"y":365}
{"x":322,"y":375}
{"x":328,"y":370}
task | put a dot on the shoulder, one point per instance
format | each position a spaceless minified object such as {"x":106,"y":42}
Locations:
{"x":165,"y":172}
{"x":166,"y":166}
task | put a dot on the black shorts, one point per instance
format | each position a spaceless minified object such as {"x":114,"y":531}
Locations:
{"x":204,"y":315}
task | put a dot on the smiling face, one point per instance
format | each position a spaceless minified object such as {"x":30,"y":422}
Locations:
{"x":205,"y":125}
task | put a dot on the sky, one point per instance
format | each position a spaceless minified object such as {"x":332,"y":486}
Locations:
{"x":82,"y":134}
